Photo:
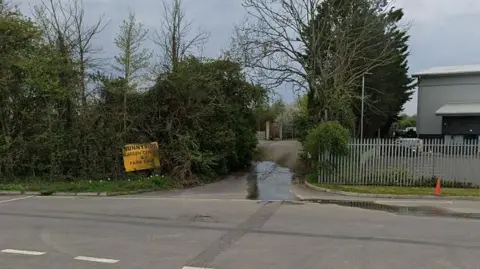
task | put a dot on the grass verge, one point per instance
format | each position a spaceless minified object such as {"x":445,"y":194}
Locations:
{"x":151,"y":183}
{"x":400,"y":190}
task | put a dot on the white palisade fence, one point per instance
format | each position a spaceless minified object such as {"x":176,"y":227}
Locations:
{"x":404,"y":162}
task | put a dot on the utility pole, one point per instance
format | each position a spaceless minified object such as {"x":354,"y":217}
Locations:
{"x":363,"y":104}
{"x":363,"y":100}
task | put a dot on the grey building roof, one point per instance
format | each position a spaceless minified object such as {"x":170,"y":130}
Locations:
{"x":459,"y":109}
{"x":449,"y":70}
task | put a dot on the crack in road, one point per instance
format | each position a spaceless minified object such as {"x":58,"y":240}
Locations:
{"x":255,"y":221}
{"x":244,"y":228}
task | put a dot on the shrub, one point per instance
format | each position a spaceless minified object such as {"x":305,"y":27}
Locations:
{"x":329,"y":139}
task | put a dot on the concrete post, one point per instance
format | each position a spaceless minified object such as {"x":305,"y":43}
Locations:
{"x":267,"y":130}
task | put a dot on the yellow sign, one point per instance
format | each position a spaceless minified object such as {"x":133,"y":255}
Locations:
{"x":141,"y":156}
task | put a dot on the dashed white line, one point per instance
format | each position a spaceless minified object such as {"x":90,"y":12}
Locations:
{"x":189,"y":267}
{"x":93,"y":259}
{"x":23,"y":252}
{"x":15,"y":199}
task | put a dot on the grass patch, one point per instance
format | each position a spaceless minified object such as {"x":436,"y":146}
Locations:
{"x":400,"y":190}
{"x":133,"y":184}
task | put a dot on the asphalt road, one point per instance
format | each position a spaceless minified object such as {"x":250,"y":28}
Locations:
{"x":174,"y":231}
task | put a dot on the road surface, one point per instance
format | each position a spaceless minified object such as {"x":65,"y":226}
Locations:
{"x":174,"y":231}
{"x":214,"y":226}
{"x":283,"y":152}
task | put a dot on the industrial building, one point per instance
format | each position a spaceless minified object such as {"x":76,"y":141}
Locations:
{"x":449,"y":103}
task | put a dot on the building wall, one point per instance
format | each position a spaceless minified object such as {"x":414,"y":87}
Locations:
{"x":434,"y":92}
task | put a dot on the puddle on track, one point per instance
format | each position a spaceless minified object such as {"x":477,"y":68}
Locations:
{"x":269,"y":181}
{"x":402,"y":210}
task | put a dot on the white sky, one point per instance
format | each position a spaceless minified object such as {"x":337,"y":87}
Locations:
{"x":443,"y":32}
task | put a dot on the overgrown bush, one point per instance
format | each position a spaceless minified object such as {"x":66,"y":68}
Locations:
{"x":327,"y":140}
{"x":200,"y":113}
{"x":202,"y":118}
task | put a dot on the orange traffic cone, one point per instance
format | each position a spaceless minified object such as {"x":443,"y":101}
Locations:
{"x":438,"y":187}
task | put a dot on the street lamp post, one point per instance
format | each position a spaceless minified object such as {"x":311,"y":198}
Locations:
{"x":363,"y":104}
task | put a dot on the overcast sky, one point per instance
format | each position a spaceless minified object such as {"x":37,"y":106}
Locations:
{"x":443,"y":32}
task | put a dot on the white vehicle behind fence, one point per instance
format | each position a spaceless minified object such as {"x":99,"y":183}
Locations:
{"x":412,"y":145}
{"x":402,"y":147}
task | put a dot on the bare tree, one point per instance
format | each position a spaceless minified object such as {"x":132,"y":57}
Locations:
{"x":174,"y":38}
{"x":4,"y":7}
{"x":65,"y":27}
{"x":289,"y":41}
{"x":83,"y":36}
{"x":56,"y":25}
{"x":133,"y":59}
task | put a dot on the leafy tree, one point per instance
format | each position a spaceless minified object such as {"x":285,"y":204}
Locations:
{"x":388,"y":87}
{"x":302,"y":104}
{"x":406,"y":121}
{"x":337,"y":92}
{"x":301,"y":118}
{"x":133,"y":59}
{"x":265,"y":111}
{"x":341,"y":36}
{"x":288,"y":114}
{"x":20,"y":39}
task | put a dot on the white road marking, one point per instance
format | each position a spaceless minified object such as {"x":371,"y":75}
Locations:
{"x":189,"y":267}
{"x":93,"y":259}
{"x":15,"y":199}
{"x":23,"y":252}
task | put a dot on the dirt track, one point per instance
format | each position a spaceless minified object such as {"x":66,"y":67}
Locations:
{"x":283,"y":152}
